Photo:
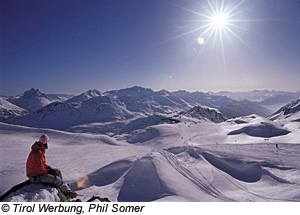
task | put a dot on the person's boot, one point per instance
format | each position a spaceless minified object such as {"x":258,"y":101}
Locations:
{"x":72,"y":195}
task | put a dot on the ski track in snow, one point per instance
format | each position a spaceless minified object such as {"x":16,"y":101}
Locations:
{"x":208,"y":188}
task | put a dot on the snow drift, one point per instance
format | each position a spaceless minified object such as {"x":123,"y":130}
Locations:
{"x":264,"y":129}
{"x":34,"y":193}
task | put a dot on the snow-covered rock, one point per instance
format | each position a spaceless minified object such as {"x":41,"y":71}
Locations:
{"x":139,"y":99}
{"x":291,"y":110}
{"x":85,"y":96}
{"x":63,"y":115}
{"x":34,"y":193}
{"x":33,"y":100}
{"x":205,"y":114}
{"x":9,"y":110}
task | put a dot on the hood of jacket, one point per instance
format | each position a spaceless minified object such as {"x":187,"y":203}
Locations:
{"x":38,"y":146}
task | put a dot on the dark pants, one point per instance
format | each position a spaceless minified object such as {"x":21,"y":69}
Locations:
{"x":52,"y":179}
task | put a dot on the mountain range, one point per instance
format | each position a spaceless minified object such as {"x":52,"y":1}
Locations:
{"x":262,"y":96}
{"x":117,"y":109}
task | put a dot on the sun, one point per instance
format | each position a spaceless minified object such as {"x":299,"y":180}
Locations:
{"x":219,"y":21}
{"x":216,"y":26}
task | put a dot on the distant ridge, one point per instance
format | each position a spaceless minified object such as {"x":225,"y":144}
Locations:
{"x":119,"y":107}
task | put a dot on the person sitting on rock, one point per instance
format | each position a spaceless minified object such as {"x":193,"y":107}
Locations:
{"x":39,"y":172}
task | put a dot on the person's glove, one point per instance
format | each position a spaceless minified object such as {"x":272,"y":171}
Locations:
{"x":51,"y":171}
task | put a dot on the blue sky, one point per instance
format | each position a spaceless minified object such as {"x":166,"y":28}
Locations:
{"x":71,"y":46}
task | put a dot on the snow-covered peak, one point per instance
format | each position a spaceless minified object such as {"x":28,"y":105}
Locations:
{"x":163,"y":92}
{"x":85,"y":96}
{"x":93,"y":93}
{"x":103,"y":99}
{"x":32,"y":100}
{"x":8,"y":110}
{"x":133,"y":92}
{"x":139,"y":99}
{"x":63,"y":115}
{"x":287,"y":111}
{"x":292,"y":108}
{"x":205,"y":114}
{"x":33,"y":93}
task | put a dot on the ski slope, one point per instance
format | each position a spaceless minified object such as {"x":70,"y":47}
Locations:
{"x":228,"y":161}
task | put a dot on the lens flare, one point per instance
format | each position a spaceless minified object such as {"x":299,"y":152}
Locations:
{"x":200,"y":41}
{"x":83,"y":183}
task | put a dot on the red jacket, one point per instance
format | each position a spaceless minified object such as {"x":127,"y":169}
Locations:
{"x":36,"y":162}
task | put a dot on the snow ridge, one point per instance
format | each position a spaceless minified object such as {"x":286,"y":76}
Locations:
{"x":9,"y":110}
{"x":32,"y":100}
{"x":287,"y":111}
{"x":205,"y":114}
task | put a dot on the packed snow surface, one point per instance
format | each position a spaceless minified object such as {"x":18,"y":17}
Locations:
{"x":243,"y":159}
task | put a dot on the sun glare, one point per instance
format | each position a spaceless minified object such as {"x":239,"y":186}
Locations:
{"x":218,"y":24}
{"x":219,"y":21}
{"x":222,"y":21}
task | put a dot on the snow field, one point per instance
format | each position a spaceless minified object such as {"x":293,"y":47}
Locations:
{"x":168,"y":162}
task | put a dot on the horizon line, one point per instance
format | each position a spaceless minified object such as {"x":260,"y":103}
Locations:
{"x":157,"y":90}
